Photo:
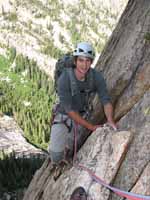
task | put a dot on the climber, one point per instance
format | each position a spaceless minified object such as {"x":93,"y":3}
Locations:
{"x":75,"y":86}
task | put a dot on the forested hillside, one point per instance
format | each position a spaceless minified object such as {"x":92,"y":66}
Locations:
{"x":45,"y":29}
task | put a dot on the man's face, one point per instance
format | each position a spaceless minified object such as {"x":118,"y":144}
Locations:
{"x":83,"y":64}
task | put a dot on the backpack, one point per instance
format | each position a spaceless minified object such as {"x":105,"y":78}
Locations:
{"x":66,"y":61}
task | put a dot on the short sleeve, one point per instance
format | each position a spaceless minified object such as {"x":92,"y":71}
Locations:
{"x":101,"y":88}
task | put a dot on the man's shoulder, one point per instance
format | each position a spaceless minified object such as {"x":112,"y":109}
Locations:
{"x":64,"y":74}
{"x":64,"y":78}
{"x":97,"y":74}
{"x":96,"y":71}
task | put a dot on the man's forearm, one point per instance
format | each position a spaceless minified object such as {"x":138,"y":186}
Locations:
{"x":78,"y":119}
{"x":108,"y":109}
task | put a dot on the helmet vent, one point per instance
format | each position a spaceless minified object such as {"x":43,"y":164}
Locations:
{"x":81,"y":50}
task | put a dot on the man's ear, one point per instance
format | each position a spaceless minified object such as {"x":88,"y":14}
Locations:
{"x":75,"y":61}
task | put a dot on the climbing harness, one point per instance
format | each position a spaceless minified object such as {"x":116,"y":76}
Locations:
{"x":121,"y":193}
{"x":63,"y":120}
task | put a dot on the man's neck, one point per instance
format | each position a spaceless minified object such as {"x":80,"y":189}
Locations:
{"x":79,"y":75}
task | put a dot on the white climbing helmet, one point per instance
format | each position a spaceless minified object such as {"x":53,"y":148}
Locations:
{"x":84,"y":49}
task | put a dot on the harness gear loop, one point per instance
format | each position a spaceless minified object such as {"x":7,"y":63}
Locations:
{"x":62,"y":121}
{"x":69,"y":127}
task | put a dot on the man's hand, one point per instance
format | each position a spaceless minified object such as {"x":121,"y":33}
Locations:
{"x":77,"y":118}
{"x":108,"y":109}
{"x":112,"y":125}
{"x":94,"y":127}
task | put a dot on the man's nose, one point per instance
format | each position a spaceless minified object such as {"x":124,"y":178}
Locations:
{"x":85,"y":63}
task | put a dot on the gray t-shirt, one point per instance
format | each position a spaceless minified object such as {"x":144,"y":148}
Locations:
{"x":79,"y":101}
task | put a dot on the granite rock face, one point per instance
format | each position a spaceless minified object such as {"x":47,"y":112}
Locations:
{"x":141,"y":185}
{"x":102,"y":153}
{"x":125,"y":60}
{"x":12,"y":139}
{"x":138,"y":155}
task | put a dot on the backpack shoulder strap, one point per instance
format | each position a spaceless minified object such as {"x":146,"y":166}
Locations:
{"x":73,"y":82}
{"x":90,"y":80}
